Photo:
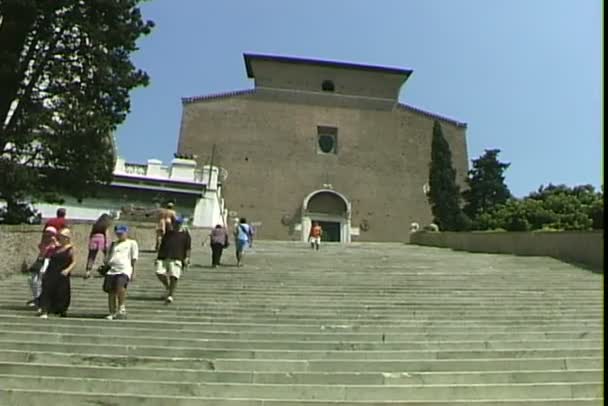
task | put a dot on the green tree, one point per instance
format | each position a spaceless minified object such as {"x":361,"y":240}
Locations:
{"x":596,"y":211}
{"x":444,"y":193}
{"x":65,"y":78}
{"x":486,"y":181}
{"x":550,"y":207}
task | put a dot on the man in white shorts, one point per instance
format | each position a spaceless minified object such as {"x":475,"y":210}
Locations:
{"x":173,"y":256}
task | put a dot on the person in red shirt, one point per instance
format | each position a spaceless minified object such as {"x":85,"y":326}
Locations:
{"x":58,"y":222}
{"x":315,"y":235}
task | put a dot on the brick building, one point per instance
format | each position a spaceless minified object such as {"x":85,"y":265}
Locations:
{"x":320,"y":141}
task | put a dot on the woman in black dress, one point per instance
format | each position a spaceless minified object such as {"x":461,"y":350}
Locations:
{"x":56,"y":292}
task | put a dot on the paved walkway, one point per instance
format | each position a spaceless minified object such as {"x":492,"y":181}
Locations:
{"x":364,"y":324}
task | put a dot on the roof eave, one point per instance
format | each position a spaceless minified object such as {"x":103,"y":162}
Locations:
{"x":214,"y":96}
{"x":456,"y":123}
{"x":308,"y":61}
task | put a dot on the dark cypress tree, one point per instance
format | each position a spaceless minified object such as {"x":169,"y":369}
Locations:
{"x":487,"y":188}
{"x":444,"y":193}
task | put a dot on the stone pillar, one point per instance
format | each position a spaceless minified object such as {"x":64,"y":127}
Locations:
{"x":183,"y":169}
{"x":153,"y":170}
{"x":345,"y":237}
{"x":306,"y":225}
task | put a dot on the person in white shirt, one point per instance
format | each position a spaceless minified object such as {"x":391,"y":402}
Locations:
{"x":120,"y":262}
{"x":243,"y":238}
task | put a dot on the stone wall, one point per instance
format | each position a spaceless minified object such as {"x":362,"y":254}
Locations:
{"x":18,"y":243}
{"x":580,"y":247}
{"x":268,"y":144}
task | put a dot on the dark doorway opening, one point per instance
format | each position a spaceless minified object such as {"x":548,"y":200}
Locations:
{"x":331,"y":231}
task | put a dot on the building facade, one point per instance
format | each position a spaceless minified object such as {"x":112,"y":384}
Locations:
{"x":320,"y":141}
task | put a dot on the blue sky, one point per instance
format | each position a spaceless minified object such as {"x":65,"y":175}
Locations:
{"x":526,"y":75}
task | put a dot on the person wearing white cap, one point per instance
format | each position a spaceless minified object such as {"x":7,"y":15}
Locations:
{"x":121,"y":259}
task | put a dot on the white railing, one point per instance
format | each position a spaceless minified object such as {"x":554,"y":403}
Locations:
{"x":195,"y":175}
{"x":136,"y":169}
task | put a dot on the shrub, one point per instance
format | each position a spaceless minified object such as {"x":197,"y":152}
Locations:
{"x":596,"y":213}
{"x":551,"y":207}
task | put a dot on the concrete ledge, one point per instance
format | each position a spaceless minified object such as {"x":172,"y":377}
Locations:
{"x":20,"y":242}
{"x":584,"y":248}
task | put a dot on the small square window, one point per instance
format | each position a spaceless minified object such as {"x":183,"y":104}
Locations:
{"x":327,"y":140}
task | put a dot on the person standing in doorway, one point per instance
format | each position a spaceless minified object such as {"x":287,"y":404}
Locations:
{"x":243,"y":236}
{"x":219,"y":241}
{"x":166,"y":218}
{"x":173,"y":256}
{"x":121,"y":259}
{"x":98,"y":241}
{"x":316,"y":232}
{"x":56,"y":290}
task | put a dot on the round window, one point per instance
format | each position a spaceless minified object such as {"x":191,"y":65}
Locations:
{"x":327,"y":143}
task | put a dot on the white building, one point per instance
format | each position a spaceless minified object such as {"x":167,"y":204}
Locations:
{"x":137,"y":191}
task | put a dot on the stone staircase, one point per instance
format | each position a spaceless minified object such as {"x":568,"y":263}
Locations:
{"x":364,"y":324}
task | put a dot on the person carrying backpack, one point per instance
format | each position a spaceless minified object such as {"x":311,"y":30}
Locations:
{"x":243,"y":237}
{"x":173,"y":257}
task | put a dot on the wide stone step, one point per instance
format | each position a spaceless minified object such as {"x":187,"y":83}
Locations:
{"x":397,"y":285}
{"x":27,"y":397}
{"x":303,"y":378}
{"x":46,"y":337}
{"x":251,"y":310}
{"x":365,"y":321}
{"x":218,"y":311}
{"x":427,"y":365}
{"x":353,"y":326}
{"x":496,"y":301}
{"x":228,"y":306}
{"x":400,"y":282}
{"x":136,"y":349}
{"x":341,"y":270}
{"x":254,"y":283}
{"x":209,"y":333}
{"x":321,"y":365}
{"x":312,"y":392}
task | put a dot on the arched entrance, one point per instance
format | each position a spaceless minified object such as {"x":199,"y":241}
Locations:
{"x":331,"y":210}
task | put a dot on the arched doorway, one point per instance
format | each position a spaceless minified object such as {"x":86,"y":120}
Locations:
{"x":332,"y":211}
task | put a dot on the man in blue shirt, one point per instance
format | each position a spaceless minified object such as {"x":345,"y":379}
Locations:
{"x":243,"y":236}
